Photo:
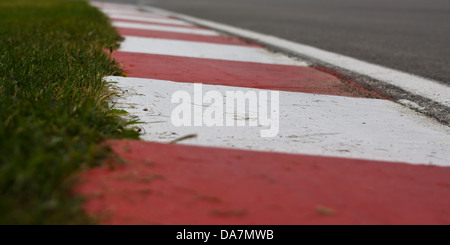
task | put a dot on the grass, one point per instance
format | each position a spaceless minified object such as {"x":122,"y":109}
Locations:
{"x":54,"y":108}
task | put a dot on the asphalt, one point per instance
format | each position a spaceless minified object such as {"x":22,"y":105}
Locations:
{"x":407,"y":35}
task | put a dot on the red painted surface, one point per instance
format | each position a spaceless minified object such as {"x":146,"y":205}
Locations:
{"x":178,"y":184}
{"x":157,"y":23}
{"x":234,"y":73}
{"x":184,"y":37}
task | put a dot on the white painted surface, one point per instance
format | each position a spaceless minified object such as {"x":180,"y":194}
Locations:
{"x":149,"y":19}
{"x":309,"y":124}
{"x":164,"y":28}
{"x":204,"y":50}
{"x":414,"y":84}
{"x":118,"y":6}
{"x":132,"y":13}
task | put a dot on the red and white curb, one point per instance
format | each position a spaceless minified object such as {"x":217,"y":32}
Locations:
{"x":342,"y":155}
{"x":413,"y":84}
{"x":311,"y":124}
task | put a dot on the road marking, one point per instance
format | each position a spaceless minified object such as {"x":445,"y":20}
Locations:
{"x":235,"y":73}
{"x":133,"y":12}
{"x":414,"y":84}
{"x":310,"y":124}
{"x":114,"y":6}
{"x":205,"y":50}
{"x":184,"y":36}
{"x":164,"y":28}
{"x":150,"y":22}
{"x":179,"y":184}
{"x":149,"y":19}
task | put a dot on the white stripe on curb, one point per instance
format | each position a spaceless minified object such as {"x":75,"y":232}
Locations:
{"x":414,"y":84}
{"x":164,"y":28}
{"x":204,"y":50}
{"x":132,"y":13}
{"x":114,"y":6}
{"x":309,"y":124}
{"x":149,"y":19}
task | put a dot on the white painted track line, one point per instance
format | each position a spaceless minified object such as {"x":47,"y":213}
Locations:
{"x":309,"y":124}
{"x":150,"y":19}
{"x":204,"y":50}
{"x":414,"y":84}
{"x":132,"y":13}
{"x":164,"y":28}
{"x":114,"y":6}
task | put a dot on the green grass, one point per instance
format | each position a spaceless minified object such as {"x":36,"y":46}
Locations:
{"x":54,"y":108}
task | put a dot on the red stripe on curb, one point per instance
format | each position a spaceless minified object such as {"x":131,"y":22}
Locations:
{"x":178,"y":184}
{"x":184,"y":37}
{"x":234,"y":73}
{"x":158,"y":23}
